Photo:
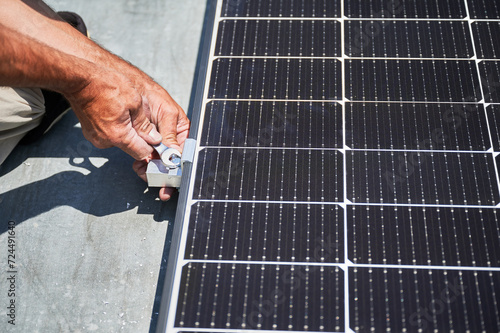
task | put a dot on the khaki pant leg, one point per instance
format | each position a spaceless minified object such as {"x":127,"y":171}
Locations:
{"x":21,"y":110}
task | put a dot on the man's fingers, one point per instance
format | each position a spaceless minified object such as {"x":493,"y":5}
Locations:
{"x":140,"y":167}
{"x":167,"y":125}
{"x":167,"y":114}
{"x":174,"y":127}
{"x":183,"y":126}
{"x":140,"y":117}
{"x":166,"y":193}
{"x":135,"y":146}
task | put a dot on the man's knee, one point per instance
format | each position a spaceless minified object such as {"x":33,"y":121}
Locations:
{"x":21,"y":110}
{"x":20,"y":107}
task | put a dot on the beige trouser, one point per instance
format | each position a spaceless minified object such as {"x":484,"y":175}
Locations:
{"x":21,"y":110}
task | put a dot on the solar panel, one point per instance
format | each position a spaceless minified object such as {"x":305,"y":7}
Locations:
{"x":346,"y":175}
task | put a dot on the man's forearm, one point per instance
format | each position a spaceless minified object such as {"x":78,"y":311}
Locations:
{"x":25,"y":62}
{"x":41,"y":23}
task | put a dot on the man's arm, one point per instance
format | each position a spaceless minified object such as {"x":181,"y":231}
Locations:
{"x":39,"y":65}
{"x":34,"y":19}
{"x":109,"y":107}
{"x":43,"y":24}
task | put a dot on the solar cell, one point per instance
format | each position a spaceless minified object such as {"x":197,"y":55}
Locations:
{"x":266,"y":232}
{"x":269,"y":174}
{"x":439,"y":300}
{"x":273,"y":124}
{"x":421,"y":178}
{"x":279,"y":37}
{"x":270,"y":78}
{"x":405,"y":9}
{"x":486,"y":38}
{"x":490,"y":77}
{"x":273,"y":8}
{"x":412,"y":80}
{"x":408,"y":39}
{"x":484,"y":9}
{"x":257,"y":297}
{"x":493,"y":112}
{"x":434,"y":236}
{"x":416,"y":126}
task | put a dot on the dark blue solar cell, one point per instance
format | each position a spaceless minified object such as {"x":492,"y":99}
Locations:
{"x":421,"y":178}
{"x":405,"y":9}
{"x":281,"y":8}
{"x":288,"y":79}
{"x":408,"y":39}
{"x":269,"y":174}
{"x":279,"y":38}
{"x":484,"y":9}
{"x":490,"y":79}
{"x":421,"y":300}
{"x":437,"y":236}
{"x":412,"y":80}
{"x":257,"y":297}
{"x":493,"y":112}
{"x":273,"y":124}
{"x":266,"y":232}
{"x":486,"y":39}
{"x":422,"y":126}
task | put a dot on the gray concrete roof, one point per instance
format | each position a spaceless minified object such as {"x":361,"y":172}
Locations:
{"x":90,"y":236}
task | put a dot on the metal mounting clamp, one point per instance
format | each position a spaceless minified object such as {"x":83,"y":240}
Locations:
{"x":167,"y":171}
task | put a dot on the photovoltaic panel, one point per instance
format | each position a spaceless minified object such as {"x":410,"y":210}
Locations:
{"x":346,"y":173}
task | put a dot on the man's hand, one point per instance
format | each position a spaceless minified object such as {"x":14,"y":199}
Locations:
{"x":113,"y":113}
{"x":172,"y":124}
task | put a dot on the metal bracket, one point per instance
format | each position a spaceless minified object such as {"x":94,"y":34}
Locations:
{"x":167,"y":171}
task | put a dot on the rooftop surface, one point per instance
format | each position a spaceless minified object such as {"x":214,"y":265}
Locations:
{"x":90,"y":236}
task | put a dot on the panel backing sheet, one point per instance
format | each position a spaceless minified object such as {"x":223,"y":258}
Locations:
{"x":346,"y":176}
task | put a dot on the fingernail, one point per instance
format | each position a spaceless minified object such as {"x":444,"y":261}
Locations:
{"x":155,"y":135}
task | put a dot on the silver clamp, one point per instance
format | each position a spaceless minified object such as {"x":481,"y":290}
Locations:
{"x":167,"y":171}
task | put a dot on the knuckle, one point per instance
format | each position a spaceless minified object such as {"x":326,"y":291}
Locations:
{"x":144,"y":126}
{"x":98,"y":142}
{"x":170,"y":137}
{"x":136,"y":99}
{"x":126,"y":139}
{"x":112,"y":137}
